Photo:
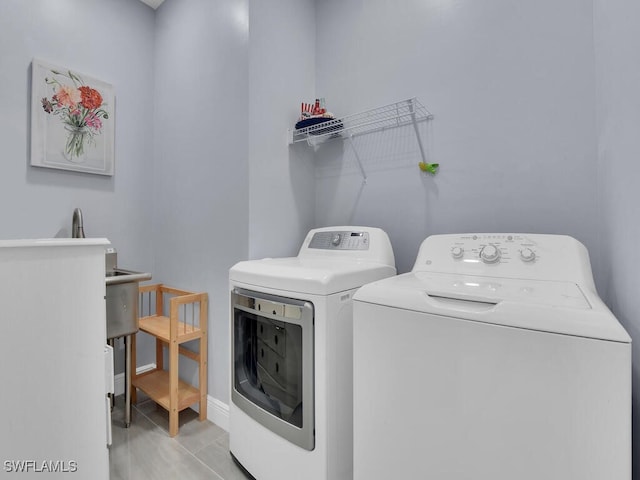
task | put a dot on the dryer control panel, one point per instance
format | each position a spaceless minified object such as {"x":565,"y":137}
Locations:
{"x":353,"y":243}
{"x":340,"y":240}
{"x":516,"y":255}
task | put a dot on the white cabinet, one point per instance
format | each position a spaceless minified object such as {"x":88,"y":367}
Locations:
{"x":52,"y":358}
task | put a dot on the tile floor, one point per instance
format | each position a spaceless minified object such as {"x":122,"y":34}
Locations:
{"x":145,"y":450}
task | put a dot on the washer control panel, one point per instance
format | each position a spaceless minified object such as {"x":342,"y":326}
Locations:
{"x":494,"y":249}
{"x":340,"y":240}
{"x":515,"y":255}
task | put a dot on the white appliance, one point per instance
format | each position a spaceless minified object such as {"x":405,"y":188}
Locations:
{"x":494,"y":359}
{"x":291,"y":320}
{"x":55,"y":367}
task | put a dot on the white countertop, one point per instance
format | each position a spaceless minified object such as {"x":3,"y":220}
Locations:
{"x":54,"y":242}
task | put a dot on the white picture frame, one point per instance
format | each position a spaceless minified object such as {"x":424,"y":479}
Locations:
{"x":72,"y":120}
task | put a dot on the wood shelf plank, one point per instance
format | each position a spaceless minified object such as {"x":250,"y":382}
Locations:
{"x":160,"y":327}
{"x":156,"y":385}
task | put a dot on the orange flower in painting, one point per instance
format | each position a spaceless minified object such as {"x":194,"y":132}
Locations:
{"x":90,"y":98}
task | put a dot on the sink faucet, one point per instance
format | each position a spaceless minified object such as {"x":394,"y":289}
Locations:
{"x":77,"y":230}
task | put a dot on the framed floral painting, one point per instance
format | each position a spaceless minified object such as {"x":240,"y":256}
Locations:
{"x":72,"y":120}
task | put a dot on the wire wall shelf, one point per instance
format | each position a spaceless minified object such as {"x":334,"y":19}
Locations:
{"x":393,"y":115}
{"x":398,"y":114}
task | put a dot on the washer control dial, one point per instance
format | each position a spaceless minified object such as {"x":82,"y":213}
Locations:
{"x":457,"y":252}
{"x":527,"y":255}
{"x":490,"y":254}
{"x":335,"y":239}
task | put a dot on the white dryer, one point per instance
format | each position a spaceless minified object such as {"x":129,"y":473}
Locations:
{"x":494,"y":359}
{"x":291,"y":380}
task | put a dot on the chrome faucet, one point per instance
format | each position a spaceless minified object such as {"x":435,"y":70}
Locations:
{"x":77,"y":230}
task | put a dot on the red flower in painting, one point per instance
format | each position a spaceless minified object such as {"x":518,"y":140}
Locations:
{"x":90,"y":98}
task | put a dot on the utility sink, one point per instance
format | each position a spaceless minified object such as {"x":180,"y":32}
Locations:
{"x":122,"y":313}
{"x":122,"y":301}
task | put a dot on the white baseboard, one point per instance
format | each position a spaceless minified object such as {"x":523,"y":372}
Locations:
{"x":217,"y":411}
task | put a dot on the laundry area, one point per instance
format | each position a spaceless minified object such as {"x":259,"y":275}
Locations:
{"x":355,"y":239}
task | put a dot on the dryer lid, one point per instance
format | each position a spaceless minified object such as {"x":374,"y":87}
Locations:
{"x":317,"y":276}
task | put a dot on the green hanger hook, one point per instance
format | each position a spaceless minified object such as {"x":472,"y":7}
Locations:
{"x":431,"y":168}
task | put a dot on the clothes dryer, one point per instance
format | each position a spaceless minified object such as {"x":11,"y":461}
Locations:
{"x":494,"y":359}
{"x":292,"y":361}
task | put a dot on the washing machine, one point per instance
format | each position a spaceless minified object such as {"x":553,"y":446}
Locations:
{"x":290,"y":415}
{"x":493,"y":359}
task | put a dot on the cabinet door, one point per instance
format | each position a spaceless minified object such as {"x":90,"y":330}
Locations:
{"x":52,"y":356}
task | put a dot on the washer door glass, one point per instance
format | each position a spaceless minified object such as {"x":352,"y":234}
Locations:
{"x":273,"y":363}
{"x":269,"y":365}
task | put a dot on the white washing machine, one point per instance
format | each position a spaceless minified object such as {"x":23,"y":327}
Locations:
{"x":494,"y":359}
{"x":290,"y":415}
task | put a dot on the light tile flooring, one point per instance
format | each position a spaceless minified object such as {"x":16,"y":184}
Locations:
{"x":145,"y":450}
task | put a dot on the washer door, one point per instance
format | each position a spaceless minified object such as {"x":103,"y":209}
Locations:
{"x":273,"y":380}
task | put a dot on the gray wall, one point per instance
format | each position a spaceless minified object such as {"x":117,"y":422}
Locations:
{"x":618,"y":72}
{"x":511,"y":86}
{"x":112,"y":41}
{"x":281,"y":75}
{"x":226,"y":186}
{"x":200,"y":160}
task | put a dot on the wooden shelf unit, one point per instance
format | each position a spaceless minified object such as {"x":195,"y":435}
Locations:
{"x":164,"y":386}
